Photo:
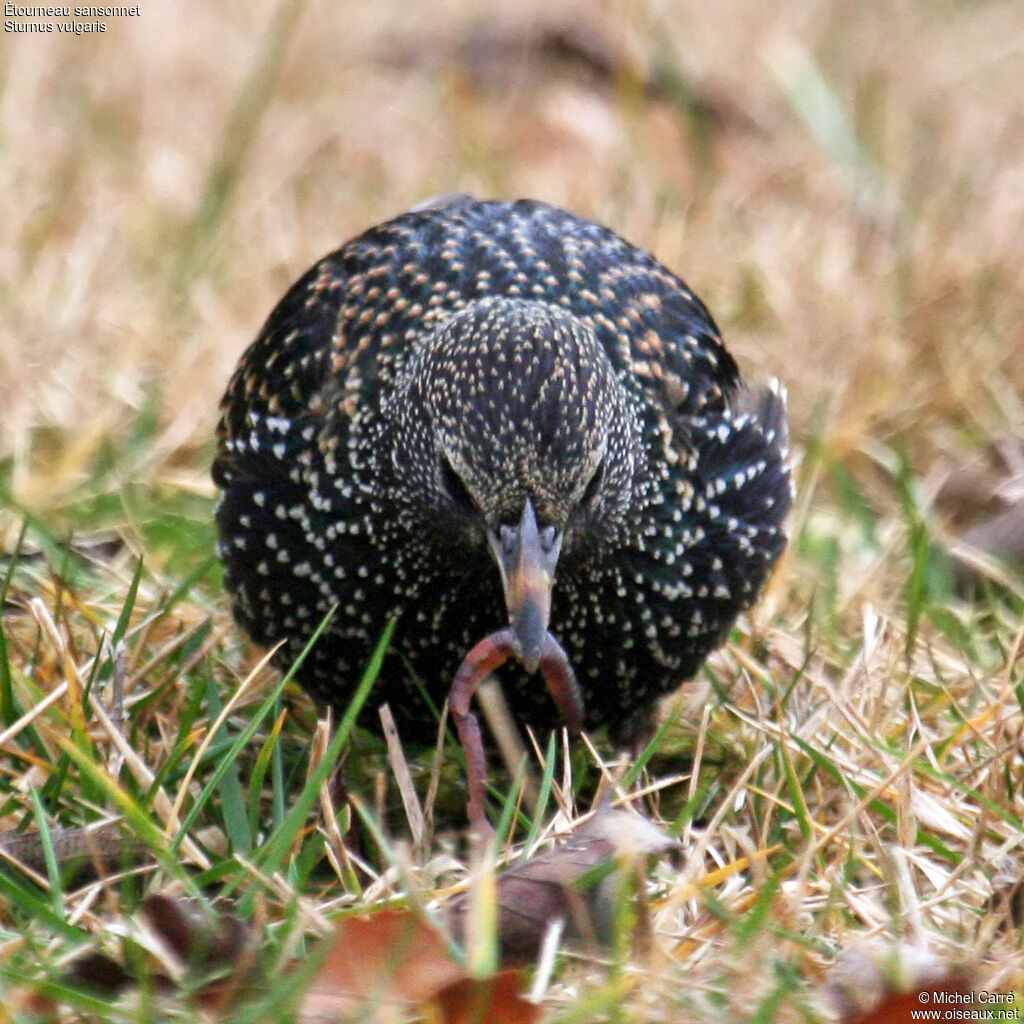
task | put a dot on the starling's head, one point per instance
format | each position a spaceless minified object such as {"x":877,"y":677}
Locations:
{"x":529,"y":440}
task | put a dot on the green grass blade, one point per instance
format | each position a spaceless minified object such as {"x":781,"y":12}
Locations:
{"x":49,"y":857}
{"x":9,"y":710}
{"x":229,"y":756}
{"x":35,"y":907}
{"x":125,"y":618}
{"x":264,"y":763}
{"x":652,"y":747}
{"x":233,"y":808}
{"x":272,"y":854}
{"x":544,"y":793}
{"x":796,"y":793}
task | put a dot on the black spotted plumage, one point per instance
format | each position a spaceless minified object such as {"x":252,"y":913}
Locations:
{"x":414,"y":388}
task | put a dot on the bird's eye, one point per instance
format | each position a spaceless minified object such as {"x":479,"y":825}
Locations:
{"x":593,"y":485}
{"x":547,"y":538}
{"x":457,"y":490}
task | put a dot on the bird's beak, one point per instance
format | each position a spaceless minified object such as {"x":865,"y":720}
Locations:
{"x":526,"y":559}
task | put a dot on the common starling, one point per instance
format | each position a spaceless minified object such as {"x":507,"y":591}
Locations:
{"x":482,"y":413}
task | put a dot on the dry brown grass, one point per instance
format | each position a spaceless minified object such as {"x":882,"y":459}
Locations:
{"x":851,"y":211}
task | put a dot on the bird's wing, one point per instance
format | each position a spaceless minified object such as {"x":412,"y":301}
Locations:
{"x":281,"y":374}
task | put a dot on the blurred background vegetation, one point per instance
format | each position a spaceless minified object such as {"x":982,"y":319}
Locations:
{"x":842,"y":182}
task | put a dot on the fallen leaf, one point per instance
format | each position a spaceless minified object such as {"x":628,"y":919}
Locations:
{"x":198,"y":936}
{"x":99,"y":974}
{"x":881,"y":984}
{"x":392,"y":960}
{"x":214,"y":951}
{"x":553,"y":885}
{"x":984,"y":501}
{"x":985,"y":483}
{"x":1000,"y":535}
{"x":216,"y":947}
{"x":495,"y":1000}
{"x":389,"y":957}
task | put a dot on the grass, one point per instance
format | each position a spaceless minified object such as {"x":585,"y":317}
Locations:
{"x":840,"y":186}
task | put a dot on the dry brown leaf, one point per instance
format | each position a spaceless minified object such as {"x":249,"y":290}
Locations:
{"x":881,"y":984}
{"x":390,"y":955}
{"x":984,"y":483}
{"x":546,"y":888}
{"x":393,"y":959}
{"x":217,"y":948}
{"x":1000,"y":535}
{"x":215,"y":951}
{"x":896,"y":1007}
{"x":99,"y":974}
{"x":496,"y":1000}
{"x":984,"y":500}
{"x":196,"y":935}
